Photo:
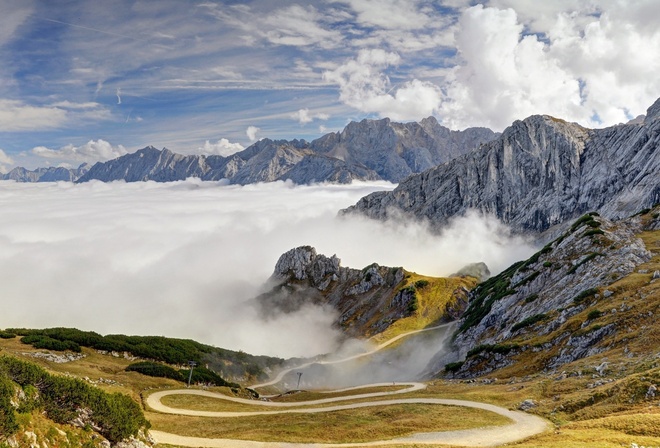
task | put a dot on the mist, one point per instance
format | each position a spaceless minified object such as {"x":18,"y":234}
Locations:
{"x":183,"y":259}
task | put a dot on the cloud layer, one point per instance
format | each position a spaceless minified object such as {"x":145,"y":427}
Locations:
{"x":183,"y":259}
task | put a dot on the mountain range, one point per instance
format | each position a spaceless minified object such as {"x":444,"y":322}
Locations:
{"x":368,"y":150}
{"x":540,"y":173}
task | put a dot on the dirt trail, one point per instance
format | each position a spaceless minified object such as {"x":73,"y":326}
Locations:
{"x":524,"y":425}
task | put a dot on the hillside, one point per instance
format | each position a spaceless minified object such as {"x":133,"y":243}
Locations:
{"x":587,"y":299}
{"x":375,"y":301}
{"x":541,"y":173}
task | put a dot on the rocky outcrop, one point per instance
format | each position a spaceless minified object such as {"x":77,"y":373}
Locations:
{"x":542,"y":297}
{"x":541,"y":172}
{"x":367,"y":300}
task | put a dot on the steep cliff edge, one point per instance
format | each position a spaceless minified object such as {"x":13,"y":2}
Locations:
{"x":593,"y":292}
{"x":373,"y":300}
{"x":541,"y":172}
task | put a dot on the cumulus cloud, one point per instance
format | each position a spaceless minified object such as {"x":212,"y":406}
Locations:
{"x":91,"y":152}
{"x":303,"y":116}
{"x":18,"y":116}
{"x":364,"y":86}
{"x":222,"y":147}
{"x":583,"y":65}
{"x":251,"y":132}
{"x":184,"y":259}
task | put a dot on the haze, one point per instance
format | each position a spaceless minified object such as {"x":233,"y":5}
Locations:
{"x":183,"y":259}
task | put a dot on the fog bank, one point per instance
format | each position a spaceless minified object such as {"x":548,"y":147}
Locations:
{"x":181,"y":259}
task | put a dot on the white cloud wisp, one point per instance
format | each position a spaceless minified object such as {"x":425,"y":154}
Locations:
{"x":184,"y":259}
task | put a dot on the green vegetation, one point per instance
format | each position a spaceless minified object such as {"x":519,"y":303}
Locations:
{"x":585,"y":294}
{"x":156,"y":370}
{"x":594,"y":314}
{"x":593,"y":232}
{"x":421,"y":284}
{"x":587,"y":219}
{"x":62,"y":398}
{"x":7,"y":335}
{"x":531,"y":298}
{"x":454,"y":366}
{"x":156,"y":348}
{"x":48,"y":343}
{"x":486,"y":294}
{"x":529,"y":321}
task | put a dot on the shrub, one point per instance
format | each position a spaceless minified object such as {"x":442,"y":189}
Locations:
{"x":421,"y":284}
{"x":529,"y":321}
{"x":584,"y":294}
{"x":8,"y":424}
{"x":117,"y":415}
{"x":595,"y":314}
{"x":531,"y":298}
{"x":454,"y":366}
{"x":7,"y":335}
{"x":593,"y":232}
{"x":547,"y":264}
{"x":155,"y":370}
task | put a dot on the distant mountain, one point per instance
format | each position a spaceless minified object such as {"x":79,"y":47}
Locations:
{"x":541,"y":172}
{"x":51,"y":174}
{"x":368,"y":150}
{"x":397,"y":150}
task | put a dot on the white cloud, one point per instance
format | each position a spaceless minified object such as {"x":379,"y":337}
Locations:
{"x":14,"y":13}
{"x":91,"y":152}
{"x":251,"y":132}
{"x":4,"y":160}
{"x":222,"y":147}
{"x":390,"y":14}
{"x":18,"y":116}
{"x":364,"y":86}
{"x":303,"y":116}
{"x":585,"y":66}
{"x":118,"y":93}
{"x":183,"y":259}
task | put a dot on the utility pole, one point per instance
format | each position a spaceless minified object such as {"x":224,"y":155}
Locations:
{"x":299,"y":375}
{"x":192,"y":365}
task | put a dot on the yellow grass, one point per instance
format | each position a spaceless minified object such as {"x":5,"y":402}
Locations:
{"x":356,"y":425}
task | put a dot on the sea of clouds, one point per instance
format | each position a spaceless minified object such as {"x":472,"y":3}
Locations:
{"x":183,"y":259}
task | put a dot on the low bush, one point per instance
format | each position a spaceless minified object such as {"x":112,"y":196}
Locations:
{"x":529,"y":321}
{"x":61,"y":398}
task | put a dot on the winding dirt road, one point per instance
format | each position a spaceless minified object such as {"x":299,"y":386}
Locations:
{"x":524,"y":425}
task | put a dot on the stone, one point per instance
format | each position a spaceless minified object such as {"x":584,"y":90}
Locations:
{"x":527,"y":405}
{"x":542,"y":172}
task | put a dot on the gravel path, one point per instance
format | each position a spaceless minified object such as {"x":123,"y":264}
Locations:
{"x":524,"y":425}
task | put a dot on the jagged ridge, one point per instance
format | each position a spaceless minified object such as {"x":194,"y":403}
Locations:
{"x":541,"y":172}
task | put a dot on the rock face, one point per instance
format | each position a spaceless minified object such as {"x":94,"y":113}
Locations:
{"x":548,"y":295}
{"x":51,"y":174}
{"x":396,"y":150}
{"x":367,"y":300}
{"x":369,"y":150}
{"x":541,"y":172}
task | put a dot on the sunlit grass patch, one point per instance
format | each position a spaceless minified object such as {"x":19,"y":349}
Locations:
{"x":355,"y":425}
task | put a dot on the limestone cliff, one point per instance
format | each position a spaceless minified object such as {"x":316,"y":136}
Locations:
{"x":541,"y":172}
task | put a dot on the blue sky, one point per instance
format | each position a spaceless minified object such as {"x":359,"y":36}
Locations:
{"x":85,"y":80}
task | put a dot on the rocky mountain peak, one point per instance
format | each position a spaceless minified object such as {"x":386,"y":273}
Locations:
{"x":538,"y":175}
{"x":653,"y":112}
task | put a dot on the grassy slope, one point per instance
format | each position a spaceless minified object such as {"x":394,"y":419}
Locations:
{"x":432,"y":300}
